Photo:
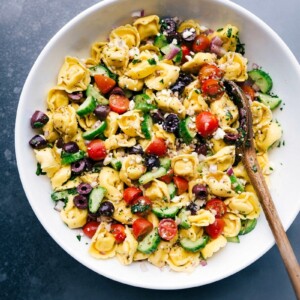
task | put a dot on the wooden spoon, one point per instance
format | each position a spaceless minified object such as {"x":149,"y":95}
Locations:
{"x":246,"y":149}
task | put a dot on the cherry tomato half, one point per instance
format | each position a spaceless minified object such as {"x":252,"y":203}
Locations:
{"x":210,"y":71}
{"x":118,"y":231}
{"x":140,"y":228}
{"x":141,"y":206}
{"x":131,"y":193}
{"x":90,"y":228}
{"x":104,"y":83}
{"x":96,"y":149}
{"x":167,"y":229}
{"x":249,"y":91}
{"x":168,"y":177}
{"x":157,"y":147}
{"x":206,"y":123}
{"x":212,"y":88}
{"x":216,"y":228}
{"x":216,"y":206}
{"x":181,"y":184}
{"x":118,"y":103}
{"x":201,"y":43}
{"x":185,"y":52}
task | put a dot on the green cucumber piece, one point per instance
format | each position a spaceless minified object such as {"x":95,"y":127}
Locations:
{"x":63,"y":195}
{"x":261,"y":79}
{"x":178,"y":57}
{"x":150,"y":243}
{"x":193,"y":246}
{"x":146,"y":126}
{"x":92,"y":133}
{"x":172,"y":189}
{"x":238,"y":187}
{"x":68,"y":158}
{"x":102,"y":70}
{"x":233,"y":239}
{"x":142,"y":102}
{"x":247,"y":226}
{"x":149,"y":176}
{"x":87,"y":106}
{"x":91,"y":91}
{"x":140,"y":208}
{"x":165,"y":162}
{"x":166,"y":212}
{"x":183,"y":216}
{"x":268,"y":100}
{"x":116,"y":164}
{"x":185,"y":131}
{"x":160,"y":41}
{"x":95,"y":198}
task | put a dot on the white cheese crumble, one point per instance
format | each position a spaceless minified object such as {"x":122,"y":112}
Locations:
{"x":219,"y":134}
{"x":131,"y":105}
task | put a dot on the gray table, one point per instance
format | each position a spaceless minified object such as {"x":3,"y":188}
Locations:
{"x":32,"y":265}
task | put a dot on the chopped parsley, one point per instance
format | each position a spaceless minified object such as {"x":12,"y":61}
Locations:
{"x":228,"y":116}
{"x":220,"y":29}
{"x":229,"y":32}
{"x":78,"y":237}
{"x":39,"y":170}
{"x":151,"y":61}
{"x":162,"y":81}
{"x":240,"y":47}
{"x":136,"y":61}
{"x":197,"y":91}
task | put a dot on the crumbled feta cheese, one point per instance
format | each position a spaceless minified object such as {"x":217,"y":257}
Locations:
{"x":134,"y":52}
{"x":131,"y":105}
{"x":107,"y":160}
{"x":174,"y":42}
{"x":138,"y":159}
{"x":188,"y":57}
{"x":219,"y":134}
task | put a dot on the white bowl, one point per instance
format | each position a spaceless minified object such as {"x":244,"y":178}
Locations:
{"x":263,"y":47}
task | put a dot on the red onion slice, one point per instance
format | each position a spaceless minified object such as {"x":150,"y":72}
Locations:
{"x":217,"y":41}
{"x":75,"y":96}
{"x":217,"y":50}
{"x":172,"y":52}
{"x":230,"y":172}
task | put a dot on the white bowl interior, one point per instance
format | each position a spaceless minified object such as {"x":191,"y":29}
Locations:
{"x":263,"y":47}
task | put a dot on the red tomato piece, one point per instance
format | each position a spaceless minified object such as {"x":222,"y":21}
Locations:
{"x":212,"y":88}
{"x":118,"y":103}
{"x":90,"y":228}
{"x":210,"y":71}
{"x":141,"y":206}
{"x":167,"y":229}
{"x":216,"y":206}
{"x":201,"y":43}
{"x":118,"y":231}
{"x":157,"y":147}
{"x":168,"y":177}
{"x":96,"y":149}
{"x":249,"y":91}
{"x":206,"y":123}
{"x":104,"y":83}
{"x":216,"y":228}
{"x":140,"y":228}
{"x":185,"y":52}
{"x":181,"y":184}
{"x":131,"y":193}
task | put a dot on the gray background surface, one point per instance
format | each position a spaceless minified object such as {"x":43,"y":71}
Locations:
{"x":32,"y":265}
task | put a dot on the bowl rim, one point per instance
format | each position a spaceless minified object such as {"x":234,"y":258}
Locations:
{"x":22,"y":174}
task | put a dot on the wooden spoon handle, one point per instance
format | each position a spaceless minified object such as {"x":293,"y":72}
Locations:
{"x":262,"y":191}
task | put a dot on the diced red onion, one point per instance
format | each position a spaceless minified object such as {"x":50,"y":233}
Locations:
{"x":213,"y":168}
{"x":217,"y":50}
{"x":75,"y":96}
{"x":217,"y":41}
{"x":256,"y":87}
{"x":86,"y":142}
{"x":203,"y":263}
{"x":138,"y":13}
{"x":230,"y":172}
{"x":97,"y":124}
{"x":59,"y":206}
{"x":172,"y":53}
{"x":255,"y":66}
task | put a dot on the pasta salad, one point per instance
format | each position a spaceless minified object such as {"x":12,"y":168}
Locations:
{"x":139,"y":142}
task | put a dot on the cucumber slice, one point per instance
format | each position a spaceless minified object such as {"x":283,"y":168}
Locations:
{"x":177,"y":59}
{"x":165,"y":162}
{"x":234,"y":239}
{"x":150,"y":243}
{"x":102,"y":70}
{"x":166,"y":212}
{"x":183,"y":216}
{"x":91,"y":91}
{"x":146,"y":126}
{"x":172,"y":190}
{"x":261,"y":79}
{"x":187,"y":130}
{"x":87,"y":106}
{"x":92,"y":133}
{"x":268,"y":100}
{"x":116,"y":164}
{"x":143,"y":103}
{"x":95,"y":198}
{"x":247,"y":226}
{"x":160,"y":41}
{"x":62,"y":195}
{"x":238,"y":187}
{"x":68,"y":158}
{"x":193,"y":246}
{"x":149,"y":176}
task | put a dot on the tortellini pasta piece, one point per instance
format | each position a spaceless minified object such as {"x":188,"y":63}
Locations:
{"x":160,"y":256}
{"x":56,"y":98}
{"x":169,"y":137}
{"x":111,"y":124}
{"x":229,"y":36}
{"x":79,"y":140}
{"x":128,"y":33}
{"x":103,"y":245}
{"x":261,"y":115}
{"x":48,"y":161}
{"x":217,"y":145}
{"x":193,"y":66}
{"x":181,"y":260}
{"x":151,"y":48}
{"x":213,"y":246}
{"x":119,"y":140}
{"x":125,"y":251}
{"x":91,"y":178}
{"x":50,"y":134}
{"x":126,"y":82}
{"x":147,"y":26}
{"x":234,"y":65}
{"x":244,"y":205}
{"x":185,"y":165}
{"x":87,"y":121}
{"x":123,"y":213}
{"x":158,"y":193}
{"x":194,"y":102}
{"x":73,"y":216}
{"x":96,"y":52}
{"x":202,"y":218}
{"x":263,"y":161}
{"x":65,"y":121}
{"x":132,"y":169}
{"x":110,"y":180}
{"x":61,"y":176}
{"x":73,"y":75}
{"x":223,"y":159}
{"x":193,"y":233}
{"x":130,"y":123}
{"x":187,"y":24}
{"x":240,"y":172}
{"x":219,"y":184}
{"x":232,"y":225}
{"x":164,"y":76}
